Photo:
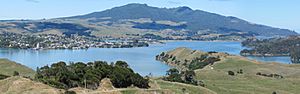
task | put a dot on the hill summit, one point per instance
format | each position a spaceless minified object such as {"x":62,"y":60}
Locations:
{"x":143,"y":21}
{"x":195,"y":20}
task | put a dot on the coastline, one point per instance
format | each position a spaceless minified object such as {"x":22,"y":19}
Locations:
{"x":198,"y":41}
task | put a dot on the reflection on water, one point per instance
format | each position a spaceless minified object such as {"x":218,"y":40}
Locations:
{"x":142,"y":60}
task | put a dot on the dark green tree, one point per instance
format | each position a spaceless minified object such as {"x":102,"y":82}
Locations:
{"x":16,"y":73}
{"x":122,"y":64}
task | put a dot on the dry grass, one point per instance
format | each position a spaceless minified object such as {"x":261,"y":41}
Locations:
{"x":8,"y":67}
{"x":19,"y":85}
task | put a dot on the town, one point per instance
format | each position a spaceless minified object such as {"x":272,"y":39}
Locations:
{"x":50,"y":41}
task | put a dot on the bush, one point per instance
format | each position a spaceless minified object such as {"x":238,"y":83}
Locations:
{"x":258,"y":73}
{"x":70,"y":92}
{"x":187,"y":76}
{"x":16,"y":73}
{"x":201,"y":62}
{"x":3,"y":76}
{"x":240,"y":71}
{"x":231,"y":73}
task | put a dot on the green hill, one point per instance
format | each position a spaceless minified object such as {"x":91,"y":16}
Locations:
{"x":249,"y":77}
{"x":8,"y":68}
{"x":218,"y":80}
{"x":195,"y":20}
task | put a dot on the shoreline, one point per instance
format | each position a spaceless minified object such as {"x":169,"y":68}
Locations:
{"x":260,"y":55}
{"x":160,"y":42}
{"x":197,"y":41}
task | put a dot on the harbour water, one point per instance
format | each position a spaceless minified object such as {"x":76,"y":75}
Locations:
{"x":141,"y":60}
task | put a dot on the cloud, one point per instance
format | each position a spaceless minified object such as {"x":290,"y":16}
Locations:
{"x":33,"y":1}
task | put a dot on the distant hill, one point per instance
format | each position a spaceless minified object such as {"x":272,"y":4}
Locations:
{"x":196,"y":20}
{"x":135,"y":20}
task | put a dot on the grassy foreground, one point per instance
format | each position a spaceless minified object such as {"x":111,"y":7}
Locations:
{"x":217,"y":79}
{"x":20,"y":85}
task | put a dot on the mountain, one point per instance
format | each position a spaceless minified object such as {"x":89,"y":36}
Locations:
{"x":195,"y":20}
{"x":135,"y":20}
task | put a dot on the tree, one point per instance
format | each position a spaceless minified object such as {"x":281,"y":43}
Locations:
{"x":173,"y":75}
{"x":3,"y":76}
{"x":189,"y":76}
{"x":295,"y":54}
{"x":183,"y":90}
{"x":240,"y":71}
{"x":172,"y":71}
{"x":231,"y":73}
{"x":16,"y":73}
{"x":89,"y":75}
{"x":122,"y":64}
{"x":70,"y":92}
{"x":162,"y":54}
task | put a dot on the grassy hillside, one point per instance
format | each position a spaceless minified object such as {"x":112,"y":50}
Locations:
{"x":250,"y":77}
{"x":184,"y":58}
{"x":19,"y":85}
{"x":8,"y":67}
{"x":178,"y":88}
{"x":218,"y":80}
{"x":157,"y":87}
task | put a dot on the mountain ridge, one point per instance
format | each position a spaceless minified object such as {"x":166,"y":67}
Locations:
{"x":189,"y":15}
{"x":141,"y":19}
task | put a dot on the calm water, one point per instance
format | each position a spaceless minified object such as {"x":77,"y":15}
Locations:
{"x":141,"y":60}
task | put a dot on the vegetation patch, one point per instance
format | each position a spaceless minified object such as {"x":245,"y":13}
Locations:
{"x":188,"y":59}
{"x":288,"y":46}
{"x":61,"y":75}
{"x":3,"y":76}
{"x":270,"y":75}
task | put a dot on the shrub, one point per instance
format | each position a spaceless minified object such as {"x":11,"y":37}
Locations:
{"x":258,"y":73}
{"x":240,"y":71}
{"x":3,"y":76}
{"x":70,"y":92}
{"x":231,"y":73}
{"x":16,"y":73}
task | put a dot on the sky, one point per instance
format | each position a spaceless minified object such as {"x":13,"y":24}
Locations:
{"x":276,"y":13}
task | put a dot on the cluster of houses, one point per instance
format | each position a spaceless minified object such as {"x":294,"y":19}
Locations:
{"x":48,"y":41}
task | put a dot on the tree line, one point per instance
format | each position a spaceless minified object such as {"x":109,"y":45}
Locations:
{"x":89,"y":75}
{"x":288,"y":46}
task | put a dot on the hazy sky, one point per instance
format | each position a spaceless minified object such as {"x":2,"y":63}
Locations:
{"x":277,"y":13}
